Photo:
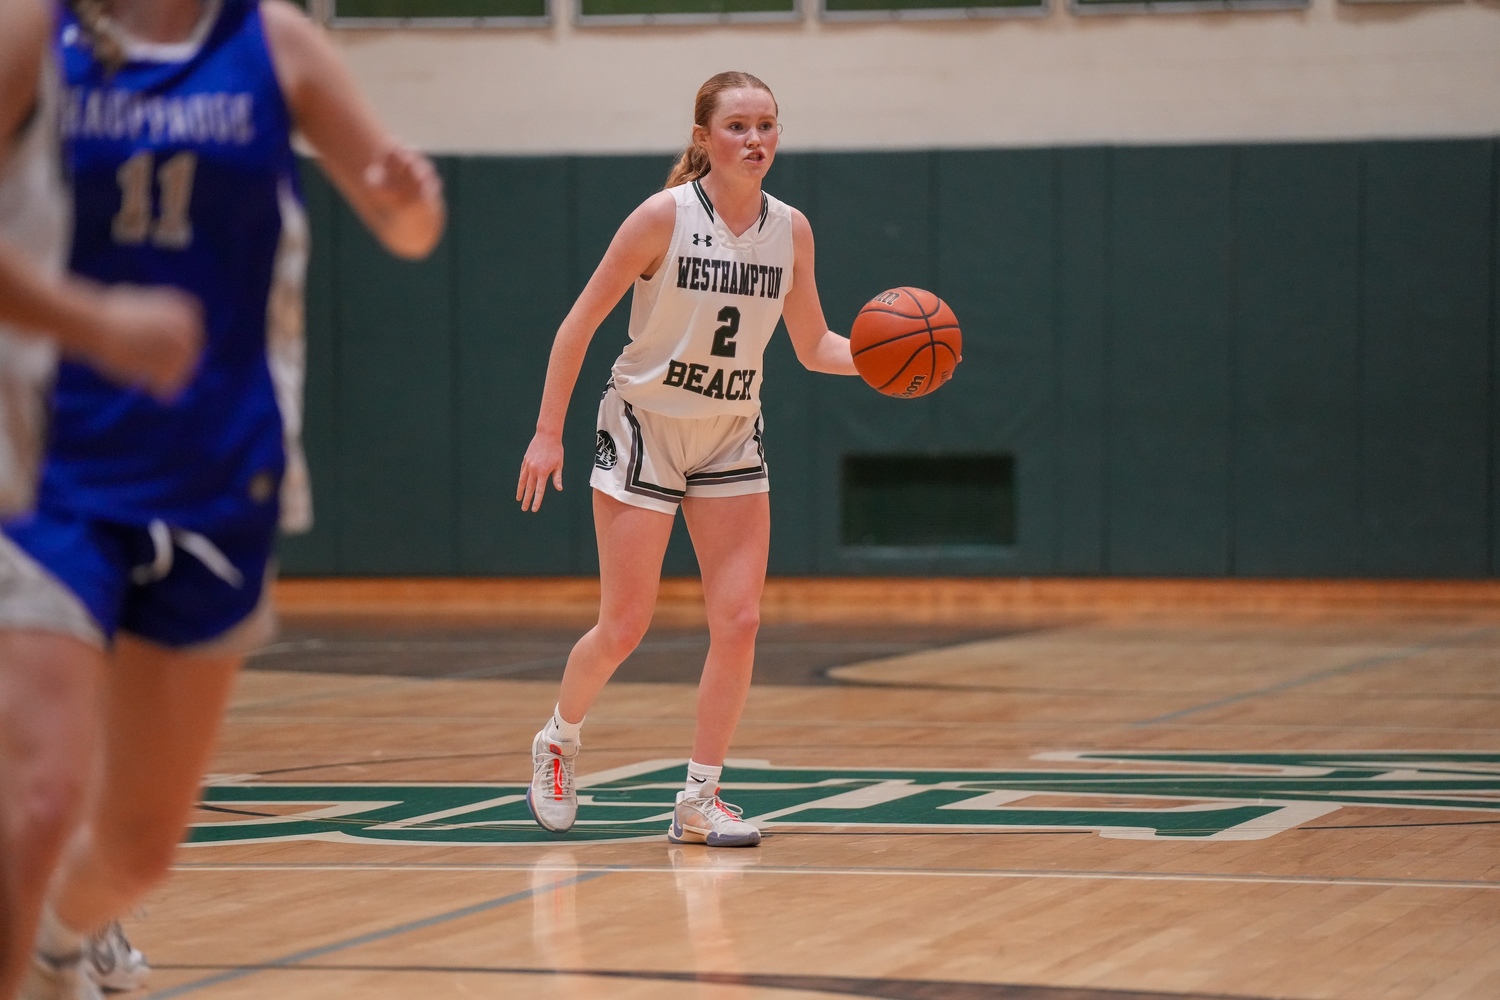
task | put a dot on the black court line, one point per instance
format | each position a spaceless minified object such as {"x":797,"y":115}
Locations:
{"x":240,"y":972}
{"x":1400,"y":826}
{"x":374,"y":761}
{"x":873,"y":988}
{"x":1321,"y":675}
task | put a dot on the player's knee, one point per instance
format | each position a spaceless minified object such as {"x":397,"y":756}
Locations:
{"x":738,"y":623}
{"x":47,"y":809}
{"x":619,"y":636}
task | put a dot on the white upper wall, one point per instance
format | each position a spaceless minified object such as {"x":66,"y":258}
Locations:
{"x":1334,"y":71}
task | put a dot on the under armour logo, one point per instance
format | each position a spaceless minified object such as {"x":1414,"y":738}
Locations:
{"x":708,"y":241}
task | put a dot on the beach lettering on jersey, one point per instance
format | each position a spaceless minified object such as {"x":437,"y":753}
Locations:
{"x":721,"y":384}
{"x":111,"y":114}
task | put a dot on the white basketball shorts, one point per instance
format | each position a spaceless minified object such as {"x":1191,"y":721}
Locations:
{"x":650,"y":460}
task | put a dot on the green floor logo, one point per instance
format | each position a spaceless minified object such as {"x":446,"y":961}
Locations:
{"x":1129,"y":795}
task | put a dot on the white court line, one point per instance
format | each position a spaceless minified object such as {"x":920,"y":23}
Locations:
{"x":755,"y":869}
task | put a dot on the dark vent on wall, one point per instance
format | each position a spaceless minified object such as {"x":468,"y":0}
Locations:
{"x":920,"y":501}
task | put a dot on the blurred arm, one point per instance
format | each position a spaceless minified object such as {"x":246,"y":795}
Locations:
{"x":149,"y":337}
{"x":394,"y":189}
{"x":146,"y":337}
{"x":23,"y":39}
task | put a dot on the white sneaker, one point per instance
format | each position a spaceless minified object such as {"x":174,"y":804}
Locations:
{"x":551,"y":798}
{"x":113,"y":962}
{"x":711,"y":821}
{"x":50,"y":980}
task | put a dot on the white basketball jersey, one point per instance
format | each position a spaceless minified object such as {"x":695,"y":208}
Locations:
{"x":699,"y":326}
{"x":35,"y":219}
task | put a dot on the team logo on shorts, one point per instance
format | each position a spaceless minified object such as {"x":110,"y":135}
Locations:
{"x":605,"y":455}
{"x":262,"y":486}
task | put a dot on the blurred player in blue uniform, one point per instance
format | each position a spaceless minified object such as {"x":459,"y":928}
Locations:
{"x":138,"y":336}
{"x":144,"y":572}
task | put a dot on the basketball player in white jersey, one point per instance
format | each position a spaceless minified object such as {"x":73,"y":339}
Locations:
{"x":714,"y":262}
{"x":144,"y":337}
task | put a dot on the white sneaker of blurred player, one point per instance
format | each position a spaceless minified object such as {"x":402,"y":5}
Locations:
{"x":113,"y":962}
{"x":50,"y":980}
{"x":551,"y":799}
{"x":711,"y":821}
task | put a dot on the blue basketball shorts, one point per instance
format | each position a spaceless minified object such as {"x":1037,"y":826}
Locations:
{"x":91,"y":578}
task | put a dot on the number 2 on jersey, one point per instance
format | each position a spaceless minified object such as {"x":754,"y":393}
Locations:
{"x":172,"y":230}
{"x":724,"y":335}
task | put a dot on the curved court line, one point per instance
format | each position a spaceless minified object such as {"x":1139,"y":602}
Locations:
{"x":885,"y":988}
{"x":390,"y":932}
{"x":751,"y":868}
{"x":1348,"y":668}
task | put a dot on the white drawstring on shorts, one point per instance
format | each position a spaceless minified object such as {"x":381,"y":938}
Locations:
{"x":166,"y":539}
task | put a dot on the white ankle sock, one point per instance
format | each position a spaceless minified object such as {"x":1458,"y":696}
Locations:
{"x":559,"y":730}
{"x":703,"y":779}
{"x":55,"y":939}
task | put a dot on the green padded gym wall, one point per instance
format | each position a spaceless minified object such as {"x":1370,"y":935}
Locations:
{"x":1296,"y":365}
{"x":1257,"y":360}
{"x":1426,"y":502}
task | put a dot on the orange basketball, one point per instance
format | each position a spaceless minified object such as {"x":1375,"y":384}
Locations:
{"x":906,"y":342}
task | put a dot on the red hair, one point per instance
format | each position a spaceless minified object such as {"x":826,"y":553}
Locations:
{"x":693,"y":163}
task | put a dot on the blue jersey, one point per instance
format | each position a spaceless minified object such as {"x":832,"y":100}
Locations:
{"x":184,"y":175}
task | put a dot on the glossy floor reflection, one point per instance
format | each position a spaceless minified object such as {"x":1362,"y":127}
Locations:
{"x":1099,"y":806}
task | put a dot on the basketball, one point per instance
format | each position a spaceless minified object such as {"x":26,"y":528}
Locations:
{"x":906,"y":342}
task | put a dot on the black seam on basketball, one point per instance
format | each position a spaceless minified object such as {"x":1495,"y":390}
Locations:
{"x":888,"y":312}
{"x":890,"y":340}
{"x":895,"y":312}
{"x":902,"y":370}
{"x":931,"y":345}
{"x":912,"y":293}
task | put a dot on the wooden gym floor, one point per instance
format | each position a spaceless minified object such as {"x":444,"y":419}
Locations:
{"x":1034,"y":791}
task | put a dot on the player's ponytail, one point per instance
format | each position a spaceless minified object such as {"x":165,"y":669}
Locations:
{"x":98,"y":32}
{"x":693,"y":163}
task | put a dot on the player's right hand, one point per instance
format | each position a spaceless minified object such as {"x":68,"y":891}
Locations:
{"x":149,"y":337}
{"x":544,"y":460}
{"x":406,"y":193}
